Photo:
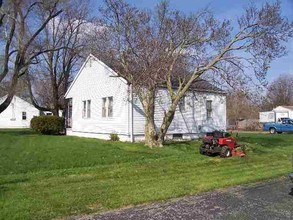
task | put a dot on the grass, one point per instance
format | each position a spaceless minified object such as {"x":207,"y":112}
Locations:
{"x":45,"y":177}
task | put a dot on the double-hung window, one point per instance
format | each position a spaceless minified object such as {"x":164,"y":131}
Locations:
{"x":24,"y":116}
{"x":86,"y":109}
{"x":209,"y":109}
{"x":107,"y":107}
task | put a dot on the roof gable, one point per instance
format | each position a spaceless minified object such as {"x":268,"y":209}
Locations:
{"x":288,"y":107}
{"x":83,"y":66}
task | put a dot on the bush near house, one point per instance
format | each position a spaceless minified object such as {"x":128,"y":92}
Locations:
{"x":114,"y":137}
{"x":48,"y":124}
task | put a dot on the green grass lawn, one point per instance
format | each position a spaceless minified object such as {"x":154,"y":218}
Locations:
{"x":44,"y":177}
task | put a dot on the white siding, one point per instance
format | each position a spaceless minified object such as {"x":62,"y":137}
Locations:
{"x":94,"y":82}
{"x":190,"y":122}
{"x":11,"y":117}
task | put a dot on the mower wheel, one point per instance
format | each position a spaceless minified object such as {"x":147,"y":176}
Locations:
{"x":272,"y":131}
{"x":225,"y":152}
{"x":202,"y":150}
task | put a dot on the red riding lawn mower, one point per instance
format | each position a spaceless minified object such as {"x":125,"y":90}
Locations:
{"x":221,"y":143}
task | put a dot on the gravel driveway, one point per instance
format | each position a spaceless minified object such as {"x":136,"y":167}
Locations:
{"x":266,"y":200}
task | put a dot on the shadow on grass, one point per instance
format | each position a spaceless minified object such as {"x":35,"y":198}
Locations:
{"x":17,"y":132}
{"x":14,"y":181}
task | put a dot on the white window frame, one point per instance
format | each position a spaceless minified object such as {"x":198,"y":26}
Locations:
{"x":107,"y":107}
{"x":209,"y":108}
{"x":86,"y":108}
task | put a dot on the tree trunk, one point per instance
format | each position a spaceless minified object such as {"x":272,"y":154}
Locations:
{"x":167,"y":120}
{"x":151,"y":135}
{"x":55,"y":94}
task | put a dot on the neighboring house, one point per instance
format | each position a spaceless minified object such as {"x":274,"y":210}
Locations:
{"x":18,"y":114}
{"x":276,"y":114}
{"x":101,"y":103}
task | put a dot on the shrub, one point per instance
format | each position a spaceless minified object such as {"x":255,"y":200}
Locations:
{"x":114,"y":137}
{"x":48,"y":124}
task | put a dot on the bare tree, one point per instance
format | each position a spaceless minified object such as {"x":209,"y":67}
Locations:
{"x":21,"y":30}
{"x":166,"y":47}
{"x":71,"y":32}
{"x":279,"y":92}
{"x":240,"y":105}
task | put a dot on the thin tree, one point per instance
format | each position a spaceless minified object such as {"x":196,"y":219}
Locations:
{"x":71,"y":32}
{"x":20,"y":30}
{"x":167,"y":48}
{"x":279,"y":92}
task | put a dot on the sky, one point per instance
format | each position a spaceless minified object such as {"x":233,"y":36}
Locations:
{"x":230,"y":9}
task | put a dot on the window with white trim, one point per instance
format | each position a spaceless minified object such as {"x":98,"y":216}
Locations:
{"x":209,"y":109}
{"x":24,"y":116}
{"x":110,"y":106}
{"x":86,"y":109}
{"x":104,"y":110}
{"x":107,"y":107}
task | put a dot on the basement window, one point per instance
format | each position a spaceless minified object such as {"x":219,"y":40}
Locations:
{"x":177,"y":136}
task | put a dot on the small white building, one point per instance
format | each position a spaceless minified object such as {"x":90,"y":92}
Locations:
{"x":276,"y":114}
{"x":100,"y":103}
{"x":18,"y":114}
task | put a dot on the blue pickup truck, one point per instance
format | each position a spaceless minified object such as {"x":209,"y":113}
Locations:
{"x":283,"y":125}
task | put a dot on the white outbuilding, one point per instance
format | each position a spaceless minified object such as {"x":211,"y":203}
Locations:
{"x":277,"y":113}
{"x":18,"y":114}
{"x":101,"y":103}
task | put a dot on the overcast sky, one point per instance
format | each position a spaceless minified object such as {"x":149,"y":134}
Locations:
{"x":231,"y":9}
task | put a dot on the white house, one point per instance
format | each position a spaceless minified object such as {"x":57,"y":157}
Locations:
{"x":101,"y":103}
{"x":18,"y":114}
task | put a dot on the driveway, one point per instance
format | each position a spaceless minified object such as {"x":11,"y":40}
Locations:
{"x":266,"y":200}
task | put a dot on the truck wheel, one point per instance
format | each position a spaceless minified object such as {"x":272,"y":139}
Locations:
{"x":225,"y":152}
{"x":272,"y":131}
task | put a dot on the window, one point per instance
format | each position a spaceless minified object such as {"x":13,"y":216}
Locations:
{"x":23,"y":115}
{"x":182,"y":104}
{"x":209,"y":108}
{"x":104,"y":113}
{"x":110,"y":107}
{"x":107,"y":107}
{"x":83,"y":108}
{"x":86,"y":109}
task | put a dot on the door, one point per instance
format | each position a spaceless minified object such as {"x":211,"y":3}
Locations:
{"x":288,"y":126}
